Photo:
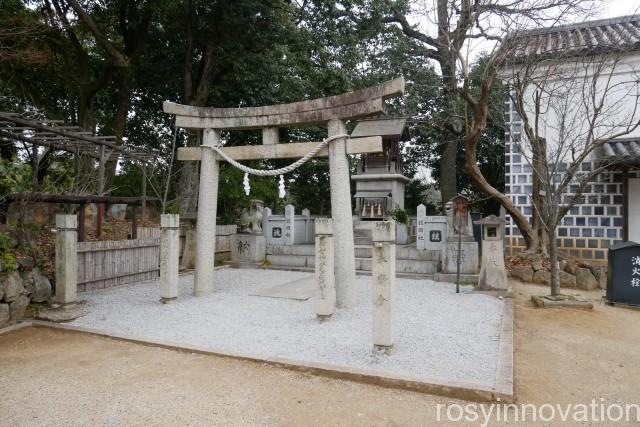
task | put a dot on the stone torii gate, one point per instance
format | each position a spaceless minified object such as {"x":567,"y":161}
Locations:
{"x":334,"y":110}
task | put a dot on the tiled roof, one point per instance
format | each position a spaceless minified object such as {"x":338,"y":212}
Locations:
{"x":591,"y":36}
{"x":620,"y":152}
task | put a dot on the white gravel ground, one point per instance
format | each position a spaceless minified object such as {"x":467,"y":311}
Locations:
{"x":439,"y":335}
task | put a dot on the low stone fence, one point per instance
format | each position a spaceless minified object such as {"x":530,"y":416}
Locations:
{"x":288,"y":229}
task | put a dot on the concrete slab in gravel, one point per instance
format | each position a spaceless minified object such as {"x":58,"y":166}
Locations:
{"x":441,"y":336}
{"x":299,"y":289}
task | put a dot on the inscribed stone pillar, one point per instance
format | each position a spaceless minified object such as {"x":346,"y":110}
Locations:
{"x":345,"y":266}
{"x":383,"y":271}
{"x":266,"y":213}
{"x":207,"y":209}
{"x":66,"y":259}
{"x":325,"y":297}
{"x":421,"y":216}
{"x":289,"y":224}
{"x":169,"y":254}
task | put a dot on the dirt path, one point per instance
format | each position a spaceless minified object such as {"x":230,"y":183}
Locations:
{"x":573,"y":356}
{"x":60,"y":378}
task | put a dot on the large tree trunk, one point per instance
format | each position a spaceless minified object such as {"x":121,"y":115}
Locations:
{"x":86,"y":120}
{"x":196,"y":92}
{"x":189,"y":181}
{"x":471,"y":163}
{"x":448,"y":166}
{"x":447,"y":62}
{"x":123,"y":102}
{"x":540,"y":241}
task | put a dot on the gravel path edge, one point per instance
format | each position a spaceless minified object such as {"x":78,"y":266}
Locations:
{"x":456,"y":390}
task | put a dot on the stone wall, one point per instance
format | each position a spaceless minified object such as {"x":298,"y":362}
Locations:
{"x":573,"y":273}
{"x":17,"y":290}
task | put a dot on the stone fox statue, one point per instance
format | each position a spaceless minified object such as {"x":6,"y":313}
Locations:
{"x":251,"y":220}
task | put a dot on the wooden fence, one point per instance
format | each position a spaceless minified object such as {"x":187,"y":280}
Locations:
{"x":104,"y":264}
{"x":223,"y":238}
{"x":148,"y":232}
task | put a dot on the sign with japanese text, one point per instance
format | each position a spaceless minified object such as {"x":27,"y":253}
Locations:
{"x":623,"y":285}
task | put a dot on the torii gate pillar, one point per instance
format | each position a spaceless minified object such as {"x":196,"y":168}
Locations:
{"x":344,"y":264}
{"x":333,"y":110}
{"x":207,"y":211}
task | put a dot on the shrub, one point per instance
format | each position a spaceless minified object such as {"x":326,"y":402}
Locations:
{"x":400,"y":215}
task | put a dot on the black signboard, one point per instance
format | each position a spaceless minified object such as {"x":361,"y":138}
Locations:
{"x":276,"y":232}
{"x":623,"y":281}
{"x":435,"y":236}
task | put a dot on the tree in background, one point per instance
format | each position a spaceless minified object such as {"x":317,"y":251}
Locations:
{"x":450,"y":30}
{"x":570,"y":108}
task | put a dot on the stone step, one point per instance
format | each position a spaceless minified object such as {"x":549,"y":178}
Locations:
{"x":361,"y":251}
{"x":305,"y":250}
{"x":403,"y":266}
{"x":402,"y":252}
{"x":362,"y":264}
{"x":279,"y":260}
{"x":362,"y":240}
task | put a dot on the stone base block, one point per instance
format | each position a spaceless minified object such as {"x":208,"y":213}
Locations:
{"x":492,"y":279}
{"x":383,"y":349}
{"x":248,"y":248}
{"x":575,"y":302}
{"x":465,"y":279}
{"x":62,"y":312}
{"x":468,"y":257}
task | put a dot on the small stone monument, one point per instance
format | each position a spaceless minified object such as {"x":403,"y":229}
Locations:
{"x":383,"y":273}
{"x":461,"y":246}
{"x":248,"y":248}
{"x":289,"y":225}
{"x":431,"y":232}
{"x":325,"y":297}
{"x":493,"y":274}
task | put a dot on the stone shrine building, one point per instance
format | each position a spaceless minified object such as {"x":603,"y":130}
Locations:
{"x":379,"y":179}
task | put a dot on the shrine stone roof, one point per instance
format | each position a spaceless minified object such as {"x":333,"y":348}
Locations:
{"x":385,"y":127}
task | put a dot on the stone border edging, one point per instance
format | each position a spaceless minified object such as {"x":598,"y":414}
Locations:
{"x":457,"y":390}
{"x":505,"y":366}
{"x":503,"y":390}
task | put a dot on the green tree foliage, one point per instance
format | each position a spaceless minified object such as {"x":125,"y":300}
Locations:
{"x":256,"y":53}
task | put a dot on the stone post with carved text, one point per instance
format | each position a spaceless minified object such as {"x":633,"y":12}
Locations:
{"x":383,"y":268}
{"x":325,"y":296}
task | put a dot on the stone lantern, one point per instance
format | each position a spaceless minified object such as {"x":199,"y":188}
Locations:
{"x":493,"y":274}
{"x":461,"y":250}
